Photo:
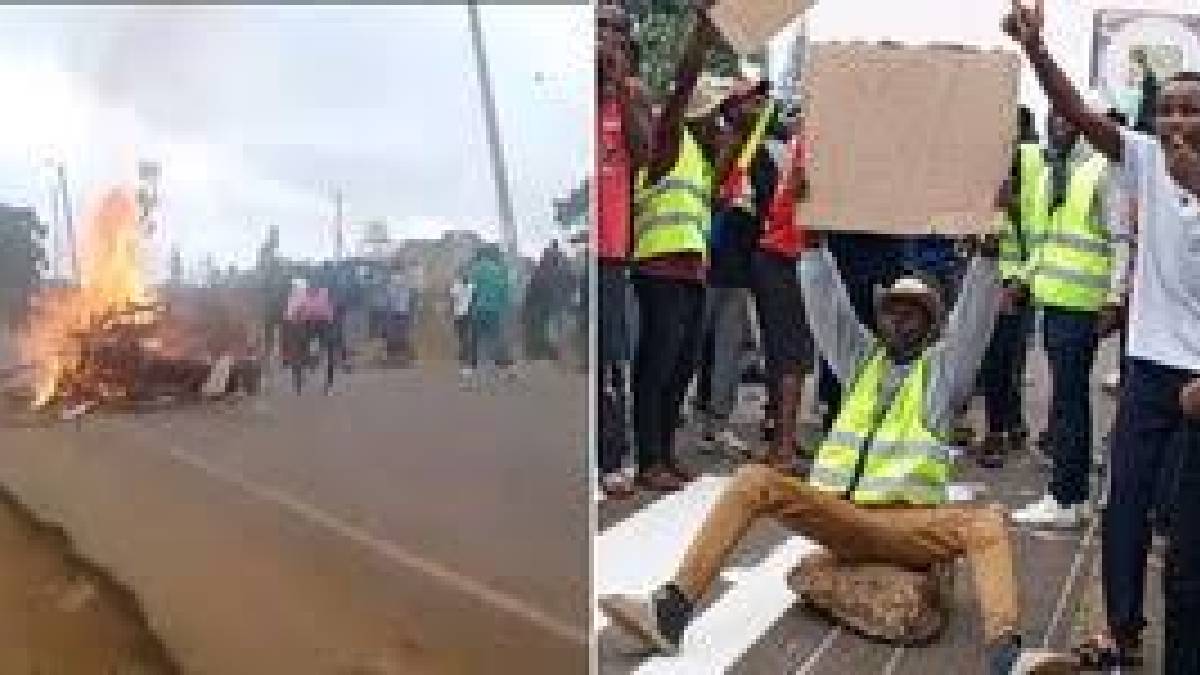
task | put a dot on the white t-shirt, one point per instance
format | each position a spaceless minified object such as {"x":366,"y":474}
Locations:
{"x":1164,"y":309}
{"x":460,"y":297}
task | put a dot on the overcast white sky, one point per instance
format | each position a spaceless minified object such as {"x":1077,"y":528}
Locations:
{"x":257,"y":112}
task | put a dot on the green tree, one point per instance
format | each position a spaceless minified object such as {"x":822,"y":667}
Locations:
{"x":660,"y":30}
{"x":22,"y":258}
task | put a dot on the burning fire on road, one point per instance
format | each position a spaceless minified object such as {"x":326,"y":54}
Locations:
{"x":110,"y":339}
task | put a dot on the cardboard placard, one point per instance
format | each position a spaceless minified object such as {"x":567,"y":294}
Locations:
{"x":908,"y":139}
{"x":748,"y":25}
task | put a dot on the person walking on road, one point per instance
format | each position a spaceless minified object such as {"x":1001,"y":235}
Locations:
{"x":491,"y":307}
{"x":460,"y":306}
{"x":398,"y":325}
{"x":1162,"y":358}
{"x":310,"y":315}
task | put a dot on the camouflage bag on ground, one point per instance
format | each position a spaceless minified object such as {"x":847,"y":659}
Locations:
{"x":879,"y":602}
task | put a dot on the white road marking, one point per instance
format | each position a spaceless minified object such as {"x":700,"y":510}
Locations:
{"x":641,"y":552}
{"x":815,"y":656}
{"x":1076,"y":566}
{"x":382,"y":547}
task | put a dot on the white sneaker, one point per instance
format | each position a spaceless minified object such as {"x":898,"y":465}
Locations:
{"x":1111,"y":382}
{"x":1048,"y":512}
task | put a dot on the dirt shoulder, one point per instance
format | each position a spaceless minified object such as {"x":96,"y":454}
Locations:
{"x":60,"y":616}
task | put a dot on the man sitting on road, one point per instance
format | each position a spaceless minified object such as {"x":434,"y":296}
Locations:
{"x":878,"y":489}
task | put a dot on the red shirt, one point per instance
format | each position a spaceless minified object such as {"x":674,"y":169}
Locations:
{"x":781,"y":234}
{"x":613,"y":185}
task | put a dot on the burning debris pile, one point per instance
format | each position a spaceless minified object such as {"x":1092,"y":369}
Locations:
{"x":110,"y":340}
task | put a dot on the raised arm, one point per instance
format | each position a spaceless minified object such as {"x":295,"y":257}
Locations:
{"x":1024,"y":24}
{"x":841,"y":338}
{"x":665,"y":129}
{"x":957,"y":356}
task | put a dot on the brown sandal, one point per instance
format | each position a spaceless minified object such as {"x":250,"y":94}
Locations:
{"x":659,"y":480}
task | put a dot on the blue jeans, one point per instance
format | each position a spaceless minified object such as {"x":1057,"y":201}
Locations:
{"x":1002,"y":371}
{"x":1146,"y":438}
{"x":1071,"y":341}
{"x":489,"y":340}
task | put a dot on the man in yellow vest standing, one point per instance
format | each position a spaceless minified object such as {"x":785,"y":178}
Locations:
{"x":672,"y":215}
{"x":878,"y":488}
{"x":1076,"y":285}
{"x":1004,"y":364}
{"x":671,"y":202}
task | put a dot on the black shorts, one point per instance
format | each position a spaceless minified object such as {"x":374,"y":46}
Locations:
{"x":779,"y":303}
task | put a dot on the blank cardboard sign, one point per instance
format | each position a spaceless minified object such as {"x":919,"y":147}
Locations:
{"x":747,"y":25}
{"x":906,"y":139}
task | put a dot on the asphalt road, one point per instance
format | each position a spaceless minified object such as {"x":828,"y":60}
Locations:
{"x":400,"y":525}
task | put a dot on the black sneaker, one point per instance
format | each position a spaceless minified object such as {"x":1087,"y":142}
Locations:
{"x":657,"y":622}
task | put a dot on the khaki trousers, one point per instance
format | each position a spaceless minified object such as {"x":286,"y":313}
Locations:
{"x":910,"y":537}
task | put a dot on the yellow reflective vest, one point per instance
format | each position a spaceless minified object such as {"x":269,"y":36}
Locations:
{"x":674,"y":215}
{"x":1032,"y":210}
{"x":874,"y":456}
{"x":741,"y":191}
{"x":1073,"y":259}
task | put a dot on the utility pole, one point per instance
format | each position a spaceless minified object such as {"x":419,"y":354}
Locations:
{"x":337,"y":235}
{"x":508,"y":226}
{"x":55,"y":231}
{"x":67,"y":219}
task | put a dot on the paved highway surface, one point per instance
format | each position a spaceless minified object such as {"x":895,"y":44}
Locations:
{"x":401,"y":525}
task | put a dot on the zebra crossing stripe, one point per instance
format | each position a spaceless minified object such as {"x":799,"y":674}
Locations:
{"x":642,"y":551}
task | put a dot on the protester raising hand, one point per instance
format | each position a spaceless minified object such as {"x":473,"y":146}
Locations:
{"x":1025,"y":23}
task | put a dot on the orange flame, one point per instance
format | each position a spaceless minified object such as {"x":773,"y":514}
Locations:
{"x":111,"y":277}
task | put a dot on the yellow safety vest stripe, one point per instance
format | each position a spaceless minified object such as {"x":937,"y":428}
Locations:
{"x":883,"y":457}
{"x":674,"y":215}
{"x":1074,"y":258}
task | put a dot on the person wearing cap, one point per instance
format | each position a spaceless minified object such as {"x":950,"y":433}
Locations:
{"x":756,"y":216}
{"x":1075,"y":280}
{"x":877,"y":492}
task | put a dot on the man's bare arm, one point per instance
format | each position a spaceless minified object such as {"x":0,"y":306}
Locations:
{"x":1024,"y":24}
{"x":664,"y":149}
